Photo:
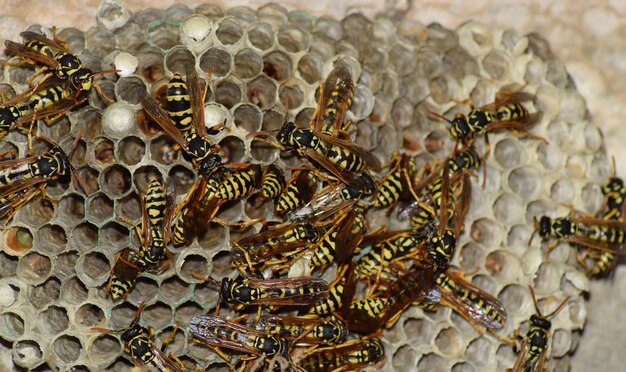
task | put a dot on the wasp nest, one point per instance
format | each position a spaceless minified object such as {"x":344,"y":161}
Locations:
{"x":56,"y":257}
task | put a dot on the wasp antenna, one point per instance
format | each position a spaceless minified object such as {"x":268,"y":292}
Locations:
{"x":209,"y":72}
{"x":556,"y":311}
{"x":209,"y":280}
{"x":437,"y":115}
{"x":532,"y":292}
{"x":106,"y":72}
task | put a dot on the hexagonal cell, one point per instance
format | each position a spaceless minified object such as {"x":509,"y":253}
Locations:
{"x":479,"y":351}
{"x":178,"y":59}
{"x":84,"y":237}
{"x":18,"y":240}
{"x":129,"y":207}
{"x":150,"y":65}
{"x":93,"y":268}
{"x":115,"y":180}
{"x":193,"y":263}
{"x":277,"y":65}
{"x":89,"y":315}
{"x":508,"y":208}
{"x":163,"y":150}
{"x":53,"y":320}
{"x":419,"y":331}
{"x":404,"y":358}
{"x":104,"y":347}
{"x":46,"y":293}
{"x":432,"y":362}
{"x":174,"y":289}
{"x":503,"y":266}
{"x":248,"y":63}
{"x":233,"y":148}
{"x":73,"y":291}
{"x":145,"y":290}
{"x":272,"y":120}
{"x":229,"y":31}
{"x":261,"y":35}
{"x":262,"y":92}
{"x":228,"y":93}
{"x":291,"y":92}
{"x":11,"y":325}
{"x":263,"y":152}
{"x":67,"y":348}
{"x":37,"y":212}
{"x":103,"y":151}
{"x":34,"y":268}
{"x":51,"y":239}
{"x":100,"y":208}
{"x":449,"y":341}
{"x":214,"y":236}
{"x":121,"y":315}
{"x":248,"y":117}
{"x":435,"y":142}
{"x":217,"y":58}
{"x":463,"y":367}
{"x":177,"y":345}
{"x":65,"y":264}
{"x":186,"y":311}
{"x":146,"y":125}
{"x":71,"y":208}
{"x":90,"y":176}
{"x":131,"y":150}
{"x":27,"y":353}
{"x":293,"y":39}
{"x":254,"y":210}
{"x":8,"y":265}
{"x":310,"y":67}
{"x":158,"y":315}
{"x":130,"y":89}
{"x":114,"y":234}
{"x":182,"y":178}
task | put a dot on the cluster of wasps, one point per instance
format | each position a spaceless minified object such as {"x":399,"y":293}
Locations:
{"x":303,"y":322}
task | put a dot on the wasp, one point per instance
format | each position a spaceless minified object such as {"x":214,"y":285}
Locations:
{"x":298,"y":191}
{"x":387,"y":247}
{"x":299,"y":291}
{"x":395,"y":184}
{"x":505,"y":113}
{"x":286,"y":239}
{"x":157,"y":206}
{"x":194,"y":139}
{"x":218,"y":333}
{"x":351,"y":355}
{"x":340,"y":292}
{"x":339,"y":240}
{"x":240,"y":184}
{"x":335,"y":98}
{"x":532,"y":353}
{"x":590,"y":232}
{"x":371,"y":314}
{"x":472,"y":303}
{"x":303,"y":330}
{"x":124,"y":274}
{"x":24,"y":178}
{"x":272,"y":182}
{"x":615,"y":194}
{"x":142,"y":348}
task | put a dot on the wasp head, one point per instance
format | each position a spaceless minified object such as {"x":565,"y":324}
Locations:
{"x":131,"y":333}
{"x":285,"y":134}
{"x":82,"y":80}
{"x":540,"y":322}
{"x":209,"y":164}
{"x":545,"y":226}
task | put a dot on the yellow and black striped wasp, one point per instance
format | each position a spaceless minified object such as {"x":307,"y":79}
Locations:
{"x":22,"y":179}
{"x":158,"y":207}
{"x":353,"y":355}
{"x":124,"y":274}
{"x":371,"y":314}
{"x":184,"y":120}
{"x":55,"y":59}
{"x":142,"y":349}
{"x":532,"y":353}
{"x":505,"y":113}
{"x":303,"y":330}
{"x":262,"y":249}
{"x":322,"y":142}
{"x":396,"y":183}
{"x":340,"y":292}
{"x":478,"y":307}
{"x":298,"y":291}
{"x":240,"y":183}
{"x":272,"y":182}
{"x":586,"y":231}
{"x":298,"y":191}
{"x":218,"y":333}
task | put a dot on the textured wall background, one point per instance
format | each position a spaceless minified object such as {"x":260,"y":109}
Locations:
{"x":589,"y":37}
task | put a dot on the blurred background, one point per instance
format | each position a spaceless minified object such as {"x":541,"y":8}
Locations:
{"x":590,"y":37}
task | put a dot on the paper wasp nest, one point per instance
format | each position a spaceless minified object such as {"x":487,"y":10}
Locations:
{"x":56,"y":258}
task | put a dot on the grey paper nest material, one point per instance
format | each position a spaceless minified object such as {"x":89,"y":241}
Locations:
{"x":57,"y":257}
